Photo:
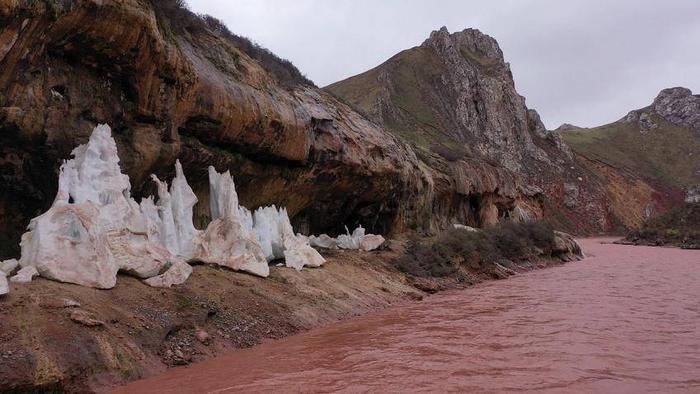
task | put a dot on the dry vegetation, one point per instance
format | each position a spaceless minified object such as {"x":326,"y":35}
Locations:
{"x":677,"y":227}
{"x":179,"y":18}
{"x":488,"y":250}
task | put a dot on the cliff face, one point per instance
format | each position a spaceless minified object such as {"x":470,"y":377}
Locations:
{"x":657,"y":145}
{"x":443,"y":136}
{"x":185,"y":92}
{"x":454,"y":100}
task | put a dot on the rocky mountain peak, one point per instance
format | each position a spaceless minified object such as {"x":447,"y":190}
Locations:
{"x":471,"y":40}
{"x":453,"y":99}
{"x":676,"y":105}
{"x":567,"y":127}
{"x":679,"y":106}
{"x":672,"y":94}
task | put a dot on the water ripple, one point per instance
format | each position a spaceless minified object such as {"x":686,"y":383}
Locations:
{"x":624,"y":320}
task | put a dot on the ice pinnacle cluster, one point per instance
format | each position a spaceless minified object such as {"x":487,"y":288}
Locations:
{"x":95,"y":229}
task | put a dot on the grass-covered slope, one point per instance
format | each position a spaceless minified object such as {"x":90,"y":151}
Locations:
{"x":664,"y":156}
{"x":658,"y":147}
{"x":404,"y":104}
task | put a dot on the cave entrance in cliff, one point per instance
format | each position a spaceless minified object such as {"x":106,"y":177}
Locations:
{"x":475,"y":203}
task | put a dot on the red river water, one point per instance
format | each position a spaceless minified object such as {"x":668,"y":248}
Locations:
{"x":624,"y":320}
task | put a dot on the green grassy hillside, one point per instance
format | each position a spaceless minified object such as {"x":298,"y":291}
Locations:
{"x":669,"y":154}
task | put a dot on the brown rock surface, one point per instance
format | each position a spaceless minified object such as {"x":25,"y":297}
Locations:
{"x":171,"y":91}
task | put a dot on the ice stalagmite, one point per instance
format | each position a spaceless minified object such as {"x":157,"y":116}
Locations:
{"x":357,"y":240}
{"x":228,"y":239}
{"x":183,"y":201}
{"x":94,"y":228}
{"x":176,"y":230}
{"x":277,"y":238}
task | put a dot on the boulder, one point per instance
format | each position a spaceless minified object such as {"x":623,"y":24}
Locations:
{"x":25,"y":275}
{"x":202,"y":336}
{"x":85,"y":318}
{"x":177,"y":274}
{"x":566,"y":247}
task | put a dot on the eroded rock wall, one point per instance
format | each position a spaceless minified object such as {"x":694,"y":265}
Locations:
{"x":174,"y":93}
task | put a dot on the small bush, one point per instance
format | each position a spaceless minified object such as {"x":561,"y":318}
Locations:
{"x":285,"y":72}
{"x":423,"y":260}
{"x":449,"y":154}
{"x":444,"y":255}
{"x":678,"y":226}
{"x":180,"y":19}
{"x":183,"y":301}
{"x":177,"y":13}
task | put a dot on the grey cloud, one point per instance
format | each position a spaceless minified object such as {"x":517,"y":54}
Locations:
{"x":581,"y":62}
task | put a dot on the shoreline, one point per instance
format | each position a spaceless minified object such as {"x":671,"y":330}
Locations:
{"x":56,"y":336}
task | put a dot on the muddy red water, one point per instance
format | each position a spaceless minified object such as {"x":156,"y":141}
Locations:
{"x":626,"y":319}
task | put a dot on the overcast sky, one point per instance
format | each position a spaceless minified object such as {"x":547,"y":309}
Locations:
{"x":586,"y":62}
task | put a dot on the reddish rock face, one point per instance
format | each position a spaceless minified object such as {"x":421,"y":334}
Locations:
{"x":171,"y":91}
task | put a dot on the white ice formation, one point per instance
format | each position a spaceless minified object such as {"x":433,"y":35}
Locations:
{"x":95,"y":228}
{"x":228,"y":239}
{"x":177,"y":274}
{"x":25,"y":275}
{"x":4,"y":286}
{"x":276,"y":236}
{"x":357,"y":240}
{"x":464,"y":227}
{"x":8,"y":266}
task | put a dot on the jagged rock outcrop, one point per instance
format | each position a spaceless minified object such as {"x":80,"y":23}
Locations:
{"x":454,"y":99}
{"x":176,"y":86}
{"x":676,"y":105}
{"x":566,"y":247}
{"x":647,"y":161}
